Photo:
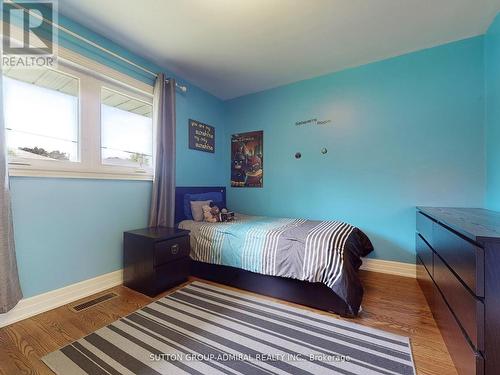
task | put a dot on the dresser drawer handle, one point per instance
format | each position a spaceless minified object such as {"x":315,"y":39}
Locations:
{"x":174,"y":249}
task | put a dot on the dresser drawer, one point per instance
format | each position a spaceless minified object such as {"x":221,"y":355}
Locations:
{"x":167,"y":251}
{"x":425,"y":253}
{"x":424,"y":227}
{"x":467,"y":308}
{"x":425,"y":282}
{"x":466,"y":360}
{"x":464,"y":258}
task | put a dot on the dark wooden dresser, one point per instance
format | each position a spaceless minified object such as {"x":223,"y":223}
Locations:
{"x":458,"y":268}
{"x":155,"y":259}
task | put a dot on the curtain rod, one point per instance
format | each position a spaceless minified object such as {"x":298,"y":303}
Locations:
{"x":182,"y":88}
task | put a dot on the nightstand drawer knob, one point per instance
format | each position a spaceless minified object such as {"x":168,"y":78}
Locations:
{"x":174,"y":249}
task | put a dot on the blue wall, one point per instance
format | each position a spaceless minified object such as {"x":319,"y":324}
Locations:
{"x":69,"y":230}
{"x":492,"y":52}
{"x":405,"y":131}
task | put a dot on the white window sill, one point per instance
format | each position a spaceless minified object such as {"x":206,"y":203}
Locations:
{"x":32,"y":172}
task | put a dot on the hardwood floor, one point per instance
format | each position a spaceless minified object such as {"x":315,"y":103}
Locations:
{"x":392,"y":303}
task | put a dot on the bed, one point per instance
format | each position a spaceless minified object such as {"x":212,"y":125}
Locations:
{"x":313,"y":263}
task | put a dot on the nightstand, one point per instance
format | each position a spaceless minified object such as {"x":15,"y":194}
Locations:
{"x":155,"y":259}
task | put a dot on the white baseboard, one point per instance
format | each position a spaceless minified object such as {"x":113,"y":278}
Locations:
{"x":390,"y":267}
{"x":31,"y":306}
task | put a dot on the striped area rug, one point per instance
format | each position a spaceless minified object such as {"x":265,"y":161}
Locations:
{"x":203,"y":329}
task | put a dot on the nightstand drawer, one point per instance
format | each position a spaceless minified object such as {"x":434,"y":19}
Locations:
{"x":172,"y":274}
{"x":169,"y":250}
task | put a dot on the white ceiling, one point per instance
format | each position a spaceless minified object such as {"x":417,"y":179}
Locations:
{"x":235,"y":47}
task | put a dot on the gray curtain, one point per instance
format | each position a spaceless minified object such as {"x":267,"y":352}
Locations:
{"x":163,"y":198}
{"x":10,"y":290}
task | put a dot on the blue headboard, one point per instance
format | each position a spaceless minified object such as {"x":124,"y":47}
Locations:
{"x":180,"y":191}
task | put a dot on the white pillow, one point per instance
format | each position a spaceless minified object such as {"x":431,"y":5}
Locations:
{"x":197,"y":210}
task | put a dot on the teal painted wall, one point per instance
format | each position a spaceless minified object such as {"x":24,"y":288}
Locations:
{"x":405,"y":131}
{"x":69,"y":230}
{"x":492,"y":53}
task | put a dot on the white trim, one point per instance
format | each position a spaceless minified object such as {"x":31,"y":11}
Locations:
{"x":31,"y":306}
{"x":89,"y":140}
{"x":25,"y":171}
{"x":92,"y":76}
{"x":390,"y":267}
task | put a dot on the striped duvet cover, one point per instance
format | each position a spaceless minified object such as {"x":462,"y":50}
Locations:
{"x":316,"y":251}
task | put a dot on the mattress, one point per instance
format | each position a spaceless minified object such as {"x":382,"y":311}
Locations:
{"x":328,"y":252}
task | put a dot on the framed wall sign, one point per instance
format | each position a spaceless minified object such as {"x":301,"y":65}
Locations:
{"x":201,"y":136}
{"x":247,"y":159}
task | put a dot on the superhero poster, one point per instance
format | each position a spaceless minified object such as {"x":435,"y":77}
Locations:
{"x":247,"y":159}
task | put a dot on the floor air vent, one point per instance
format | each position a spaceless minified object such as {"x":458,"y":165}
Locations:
{"x":95,"y":301}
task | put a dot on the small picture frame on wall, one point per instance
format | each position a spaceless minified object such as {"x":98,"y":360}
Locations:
{"x":247,"y":159}
{"x":201,"y":136}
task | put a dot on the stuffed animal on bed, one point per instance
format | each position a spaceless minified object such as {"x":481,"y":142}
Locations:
{"x":226,"y":216}
{"x":211,"y":214}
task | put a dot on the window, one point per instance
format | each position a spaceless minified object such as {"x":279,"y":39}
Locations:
{"x":41,"y":114}
{"x":126,"y":130}
{"x":76,"y":122}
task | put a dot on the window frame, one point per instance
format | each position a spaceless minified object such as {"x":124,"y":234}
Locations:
{"x":92,"y":77}
{"x":51,"y":164}
{"x":137,"y":95}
